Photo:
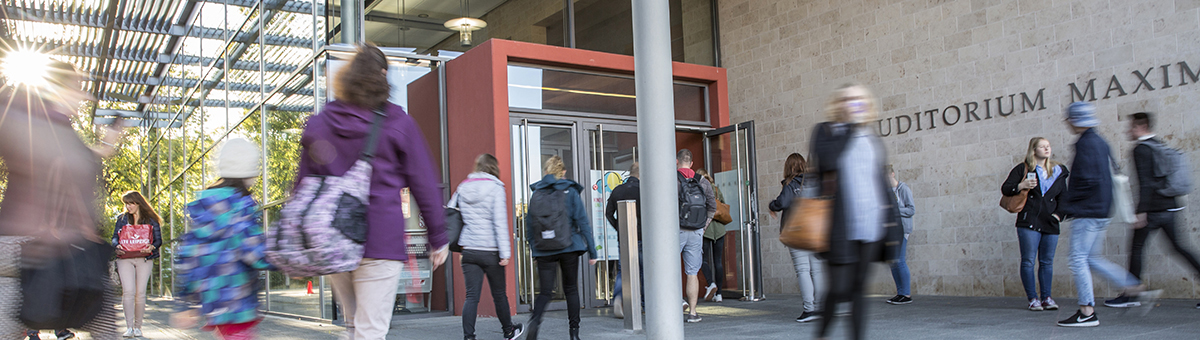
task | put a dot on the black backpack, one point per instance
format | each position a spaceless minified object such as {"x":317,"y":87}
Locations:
{"x":548,"y":219}
{"x":693,"y":204}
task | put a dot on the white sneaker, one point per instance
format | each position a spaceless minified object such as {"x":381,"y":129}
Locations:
{"x":618,"y":309}
{"x":1035,"y":305}
{"x":718,"y":298}
{"x":710,"y":291}
{"x":685,"y":306}
{"x":128,"y":333}
{"x":137,"y":332}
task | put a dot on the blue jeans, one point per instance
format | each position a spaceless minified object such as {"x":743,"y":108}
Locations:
{"x":619,"y":289}
{"x":1035,"y":244}
{"x":1087,"y":244}
{"x":900,"y":270}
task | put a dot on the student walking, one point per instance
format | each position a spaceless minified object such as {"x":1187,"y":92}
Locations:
{"x":1089,"y":201}
{"x":219,"y":259}
{"x":1155,"y":210}
{"x":810,"y":269}
{"x":559,"y":233}
{"x":850,"y":163}
{"x":1037,"y":223}
{"x":697,"y":205}
{"x":331,"y":143}
{"x":713,"y":266}
{"x":485,"y":242}
{"x":133,"y":267}
{"x":904,"y":203}
{"x":630,"y":190}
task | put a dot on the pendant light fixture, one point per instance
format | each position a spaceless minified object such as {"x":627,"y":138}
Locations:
{"x":465,"y":25}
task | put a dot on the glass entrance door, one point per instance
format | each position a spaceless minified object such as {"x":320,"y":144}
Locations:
{"x":731,"y":160}
{"x":612,"y":150}
{"x":532,"y":145}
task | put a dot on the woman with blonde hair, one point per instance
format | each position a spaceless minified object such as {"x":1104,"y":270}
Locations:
{"x":1037,"y":223}
{"x":550,"y":260}
{"x":810,"y":271}
{"x":850,"y":165}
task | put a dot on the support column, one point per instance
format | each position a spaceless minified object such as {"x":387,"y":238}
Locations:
{"x":352,"y":21}
{"x":656,"y":139}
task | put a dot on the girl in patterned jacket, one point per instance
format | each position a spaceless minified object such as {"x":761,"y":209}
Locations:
{"x":218,"y":259}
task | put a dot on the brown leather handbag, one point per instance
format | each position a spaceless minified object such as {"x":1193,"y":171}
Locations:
{"x":1015,"y":203}
{"x":806,"y":222}
{"x":722,"y":216}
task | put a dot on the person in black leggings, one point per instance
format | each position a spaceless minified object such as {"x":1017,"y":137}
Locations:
{"x":567,"y":259}
{"x":486,"y":248}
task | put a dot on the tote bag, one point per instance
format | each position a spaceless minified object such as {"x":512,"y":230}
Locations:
{"x":806,"y":221}
{"x":1122,"y":203}
{"x":1015,"y":203}
{"x":133,"y":238}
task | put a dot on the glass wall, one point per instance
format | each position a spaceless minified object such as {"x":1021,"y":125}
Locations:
{"x":598,"y":25}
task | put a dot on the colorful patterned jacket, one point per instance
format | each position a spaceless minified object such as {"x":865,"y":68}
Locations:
{"x":217,"y":262}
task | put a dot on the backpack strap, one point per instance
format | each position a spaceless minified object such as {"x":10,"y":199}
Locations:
{"x":368,"y":153}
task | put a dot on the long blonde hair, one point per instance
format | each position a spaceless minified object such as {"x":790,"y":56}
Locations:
{"x":1031,"y":160}
{"x":554,"y":166}
{"x":834,"y":107}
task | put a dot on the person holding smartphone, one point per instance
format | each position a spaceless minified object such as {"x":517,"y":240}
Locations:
{"x":1037,"y":223}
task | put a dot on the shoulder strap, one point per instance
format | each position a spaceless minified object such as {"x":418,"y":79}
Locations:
{"x":368,"y":153}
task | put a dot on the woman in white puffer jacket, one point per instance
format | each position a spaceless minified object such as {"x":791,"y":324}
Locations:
{"x":485,"y":242}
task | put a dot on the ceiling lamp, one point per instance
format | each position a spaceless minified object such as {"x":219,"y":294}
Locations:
{"x":465,"y":25}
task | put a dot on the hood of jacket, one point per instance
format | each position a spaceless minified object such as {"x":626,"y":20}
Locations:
{"x":479,"y":188}
{"x":347,"y":120}
{"x":557,"y":183}
{"x":215,"y":210}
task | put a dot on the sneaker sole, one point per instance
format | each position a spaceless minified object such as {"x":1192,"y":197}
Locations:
{"x":1037,"y":309}
{"x":1081,"y":324}
{"x":809,"y":319}
{"x":1123,"y":305}
{"x":898,"y":303}
{"x":694,"y":320}
{"x":1050,"y":308}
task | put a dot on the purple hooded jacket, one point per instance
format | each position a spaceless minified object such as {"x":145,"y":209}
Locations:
{"x":333,"y":140}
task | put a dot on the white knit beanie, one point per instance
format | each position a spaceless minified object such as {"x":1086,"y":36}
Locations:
{"x":239,"y":158}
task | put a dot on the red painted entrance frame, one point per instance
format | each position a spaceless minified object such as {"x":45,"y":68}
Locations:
{"x":478,"y":117}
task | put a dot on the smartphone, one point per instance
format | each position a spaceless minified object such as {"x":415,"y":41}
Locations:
{"x":1030,"y":176}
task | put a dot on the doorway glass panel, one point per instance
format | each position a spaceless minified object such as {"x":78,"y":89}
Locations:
{"x":612,"y":153}
{"x":532,"y":145}
{"x":731,"y":160}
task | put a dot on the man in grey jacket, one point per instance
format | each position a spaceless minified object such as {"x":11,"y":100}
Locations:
{"x":900,"y":274}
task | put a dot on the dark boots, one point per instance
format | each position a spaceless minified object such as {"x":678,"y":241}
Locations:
{"x":575,"y":333}
{"x":532,"y":329}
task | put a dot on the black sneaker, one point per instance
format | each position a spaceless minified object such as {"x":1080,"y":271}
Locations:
{"x":64,"y":334}
{"x":1198,"y":306}
{"x":1122,"y":301}
{"x":899,"y":300}
{"x":516,"y":331}
{"x":808,"y":316}
{"x":693,"y":318}
{"x":1079,"y":320}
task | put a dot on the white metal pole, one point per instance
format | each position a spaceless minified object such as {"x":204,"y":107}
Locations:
{"x":656,"y":137}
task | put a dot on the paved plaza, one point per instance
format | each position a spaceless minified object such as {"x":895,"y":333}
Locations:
{"x":930,"y":317}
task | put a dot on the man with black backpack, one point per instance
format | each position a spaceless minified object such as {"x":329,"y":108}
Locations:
{"x":1162,"y":178}
{"x":697,"y":205}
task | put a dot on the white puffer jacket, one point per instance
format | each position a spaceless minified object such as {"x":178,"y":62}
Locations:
{"x":481,"y":199}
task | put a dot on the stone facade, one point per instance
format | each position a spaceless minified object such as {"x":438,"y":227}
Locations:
{"x":972,"y":82}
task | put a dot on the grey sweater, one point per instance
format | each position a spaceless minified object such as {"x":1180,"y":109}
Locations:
{"x":481,"y":199}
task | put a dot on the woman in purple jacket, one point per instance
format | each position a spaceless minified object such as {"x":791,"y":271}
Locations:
{"x":331,"y":143}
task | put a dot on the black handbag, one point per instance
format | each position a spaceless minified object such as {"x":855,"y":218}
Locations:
{"x":454,"y":225}
{"x":67,"y":292}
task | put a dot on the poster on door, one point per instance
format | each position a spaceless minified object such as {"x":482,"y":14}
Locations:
{"x":603,"y":233}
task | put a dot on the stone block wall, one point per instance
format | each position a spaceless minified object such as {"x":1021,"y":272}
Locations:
{"x":963,"y":86}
